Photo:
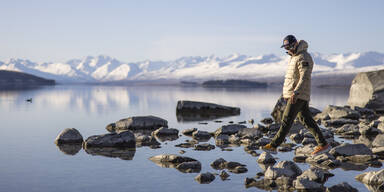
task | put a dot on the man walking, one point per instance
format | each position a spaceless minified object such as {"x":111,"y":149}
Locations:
{"x":297,"y":90}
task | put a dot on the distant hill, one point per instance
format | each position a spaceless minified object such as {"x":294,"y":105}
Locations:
{"x":11,"y":79}
{"x":232,"y":83}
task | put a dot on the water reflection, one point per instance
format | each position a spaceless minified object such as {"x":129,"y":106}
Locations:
{"x":70,"y":149}
{"x":114,"y":152}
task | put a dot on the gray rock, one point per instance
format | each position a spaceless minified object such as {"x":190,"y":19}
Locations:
{"x":339,"y":122}
{"x":195,"y":106}
{"x":267,"y":120}
{"x":263,"y":141}
{"x":111,"y":127}
{"x":291,"y":166}
{"x":233,"y":138}
{"x":121,"y":139}
{"x":342,"y":187}
{"x":266,"y":158}
{"x":204,"y":147}
{"x":318,"y":159}
{"x":361,"y":158}
{"x":378,"y":141}
{"x":283,"y":168}
{"x":170,"y":158}
{"x":165,"y":131}
{"x":141,"y":122}
{"x":346,"y":149}
{"x":305,"y":150}
{"x":305,"y":184}
{"x":367,"y":90}
{"x":316,"y":174}
{"x":189,"y":167}
{"x":232,"y":165}
{"x":380,"y":126}
{"x":229,"y":129}
{"x":198,"y":135}
{"x":347,"y":128}
{"x":372,"y":177}
{"x":379,"y":151}
{"x":205,"y":178}
{"x":188,"y":132}
{"x":221,"y":140}
{"x":69,"y":136}
{"x":278,"y":110}
{"x":145,"y":140}
{"x":238,"y":169}
{"x":219,"y":164}
{"x":368,"y":130}
{"x":296,"y":137}
{"x":308,"y":140}
{"x":337,"y":112}
{"x":224,"y":175}
{"x":250,"y":133}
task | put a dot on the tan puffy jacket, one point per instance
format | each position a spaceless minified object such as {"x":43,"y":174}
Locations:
{"x":298,"y":75}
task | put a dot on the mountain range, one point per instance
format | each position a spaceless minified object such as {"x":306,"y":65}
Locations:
{"x":195,"y":68}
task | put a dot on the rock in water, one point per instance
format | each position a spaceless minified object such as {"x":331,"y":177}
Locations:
{"x":138,"y":123}
{"x":367,"y":90}
{"x":342,"y":187}
{"x":121,"y":139}
{"x":372,"y":178}
{"x":189,"y":167}
{"x":165,"y":131}
{"x":266,"y":158}
{"x":69,"y":136}
{"x":205,"y":178}
{"x":278,"y":110}
{"x":346,"y":149}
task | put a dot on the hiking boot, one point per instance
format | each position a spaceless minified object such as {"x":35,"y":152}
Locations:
{"x":321,"y":149}
{"x":269,"y":148}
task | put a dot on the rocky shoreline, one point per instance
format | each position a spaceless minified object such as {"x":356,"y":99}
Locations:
{"x":362,"y":127}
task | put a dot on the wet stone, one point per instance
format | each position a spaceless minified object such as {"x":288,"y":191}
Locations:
{"x":69,"y":136}
{"x":350,"y":150}
{"x":316,"y":174}
{"x":165,"y":131}
{"x":238,"y":169}
{"x":307,"y":185}
{"x":189,"y":167}
{"x":204,"y":147}
{"x":219,"y":164}
{"x":224,"y":175}
{"x":188,"y":132}
{"x":205,"y":178}
{"x":342,"y":187}
{"x":201,"y":135}
{"x":266,"y":158}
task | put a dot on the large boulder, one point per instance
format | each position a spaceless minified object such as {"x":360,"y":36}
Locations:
{"x":367,"y":90}
{"x":338,"y":112}
{"x":69,"y":136}
{"x":121,"y":139}
{"x":379,"y":141}
{"x":138,"y":123}
{"x":199,"y":111}
{"x":346,"y":149}
{"x":229,"y":129}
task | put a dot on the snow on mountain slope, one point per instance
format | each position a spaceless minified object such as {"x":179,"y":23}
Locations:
{"x":235,"y":66}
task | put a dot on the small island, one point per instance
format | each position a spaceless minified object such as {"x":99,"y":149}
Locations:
{"x":232,"y":83}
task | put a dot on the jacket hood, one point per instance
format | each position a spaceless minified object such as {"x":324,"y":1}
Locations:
{"x":303,"y":46}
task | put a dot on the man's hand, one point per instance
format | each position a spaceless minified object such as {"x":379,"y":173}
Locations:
{"x":293,"y":98}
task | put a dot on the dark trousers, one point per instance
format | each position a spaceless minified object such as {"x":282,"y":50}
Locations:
{"x":301,"y":109}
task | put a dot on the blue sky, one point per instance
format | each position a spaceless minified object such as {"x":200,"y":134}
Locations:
{"x":55,"y":31}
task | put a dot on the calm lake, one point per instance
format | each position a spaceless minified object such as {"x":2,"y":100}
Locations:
{"x":30,"y":161}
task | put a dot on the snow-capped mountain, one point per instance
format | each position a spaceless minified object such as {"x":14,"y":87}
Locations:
{"x":236,"y":66}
